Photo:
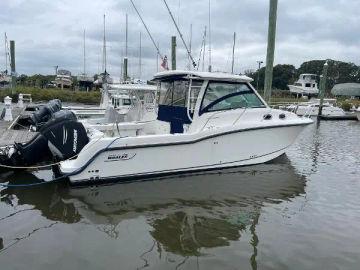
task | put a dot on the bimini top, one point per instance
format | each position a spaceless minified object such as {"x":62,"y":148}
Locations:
{"x":219,"y":76}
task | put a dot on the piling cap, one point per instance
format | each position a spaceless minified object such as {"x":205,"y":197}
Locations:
{"x":7,"y":99}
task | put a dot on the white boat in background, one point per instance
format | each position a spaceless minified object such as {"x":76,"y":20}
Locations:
{"x":63,"y":79}
{"x":204,"y":121}
{"x":306,"y":85}
{"x":358,"y":113}
{"x":311,"y":108}
{"x":5,"y":79}
{"x":124,"y":101}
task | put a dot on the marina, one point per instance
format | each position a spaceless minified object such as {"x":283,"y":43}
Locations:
{"x":170,"y":139}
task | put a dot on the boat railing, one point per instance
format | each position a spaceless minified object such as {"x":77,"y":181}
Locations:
{"x":308,"y":111}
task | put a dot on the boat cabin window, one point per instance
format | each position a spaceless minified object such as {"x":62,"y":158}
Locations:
{"x":227,"y":96}
{"x":307,"y":84}
{"x":175,"y":92}
{"x":126,"y":101}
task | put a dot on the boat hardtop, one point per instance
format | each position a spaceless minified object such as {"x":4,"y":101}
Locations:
{"x":221,"y":76}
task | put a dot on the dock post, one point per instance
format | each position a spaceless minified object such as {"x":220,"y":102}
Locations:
{"x":12,"y":66}
{"x":8,"y":114}
{"x":20,"y":101}
{"x":270,"y":50}
{"x":173,"y":52}
{"x":322,"y":87}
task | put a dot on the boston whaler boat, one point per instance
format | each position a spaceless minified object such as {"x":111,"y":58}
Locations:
{"x":204,"y":121}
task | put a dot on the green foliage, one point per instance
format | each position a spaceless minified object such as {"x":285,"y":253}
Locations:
{"x":65,"y":95}
{"x":346,"y":106}
{"x":283,"y":75}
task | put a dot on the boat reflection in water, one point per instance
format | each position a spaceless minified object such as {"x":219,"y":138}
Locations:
{"x":187,"y":214}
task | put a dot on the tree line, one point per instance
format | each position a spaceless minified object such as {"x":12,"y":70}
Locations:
{"x":284,"y":74}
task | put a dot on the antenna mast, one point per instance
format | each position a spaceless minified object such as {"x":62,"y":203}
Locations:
{"x":233,"y":53}
{"x":190,"y":44}
{"x":209,"y":38}
{"x":203,"y":60}
{"x":181,"y":36}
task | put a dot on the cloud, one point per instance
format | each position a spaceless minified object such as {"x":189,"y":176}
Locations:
{"x":49,"y":33}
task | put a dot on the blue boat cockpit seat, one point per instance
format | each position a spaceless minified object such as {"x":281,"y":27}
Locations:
{"x":175,"y":115}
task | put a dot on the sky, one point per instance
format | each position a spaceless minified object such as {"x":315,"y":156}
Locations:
{"x":50,"y":33}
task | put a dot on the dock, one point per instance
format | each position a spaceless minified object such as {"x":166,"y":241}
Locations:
{"x":9,"y":136}
{"x":351,"y":117}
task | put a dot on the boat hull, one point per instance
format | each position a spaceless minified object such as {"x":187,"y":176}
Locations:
{"x":303,"y":91}
{"x":358,"y":114}
{"x":236,"y":148}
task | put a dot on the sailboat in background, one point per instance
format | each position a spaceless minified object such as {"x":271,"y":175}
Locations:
{"x":85,"y":82}
{"x":103,"y":77}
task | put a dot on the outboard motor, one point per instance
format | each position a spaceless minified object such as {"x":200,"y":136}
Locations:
{"x":60,"y":138}
{"x":42,"y":115}
{"x":45,"y":113}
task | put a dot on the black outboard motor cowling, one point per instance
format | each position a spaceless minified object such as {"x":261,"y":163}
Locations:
{"x":60,"y":138}
{"x":40,"y":116}
{"x":45,"y":113}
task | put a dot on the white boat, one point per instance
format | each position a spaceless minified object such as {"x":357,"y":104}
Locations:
{"x":63,"y":79}
{"x":306,"y":85}
{"x":311,"y":108}
{"x":358,"y":113}
{"x":132,"y":102}
{"x":204,"y":121}
{"x":5,"y":79}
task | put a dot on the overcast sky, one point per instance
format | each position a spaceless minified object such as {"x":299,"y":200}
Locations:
{"x":49,"y":33}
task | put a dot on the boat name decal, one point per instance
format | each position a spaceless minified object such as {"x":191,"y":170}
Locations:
{"x":122,"y":156}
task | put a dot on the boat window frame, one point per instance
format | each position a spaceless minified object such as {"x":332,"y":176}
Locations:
{"x":185,"y":92}
{"x":251,"y":90}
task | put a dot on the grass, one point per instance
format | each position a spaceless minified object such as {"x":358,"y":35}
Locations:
{"x":65,"y":95}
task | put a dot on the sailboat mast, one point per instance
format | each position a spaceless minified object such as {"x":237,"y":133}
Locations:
{"x":203,"y":56}
{"x":209,"y":37}
{"x":84,"y":55}
{"x":140,"y":56}
{"x":233,"y":54}
{"x":126,"y":37}
{"x":104,"y":49}
{"x":5,"y":46}
{"x":190,"y":45}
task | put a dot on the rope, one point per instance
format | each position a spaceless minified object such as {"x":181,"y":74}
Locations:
{"x":57,"y":178}
{"x":38,"y":166}
{"x":181,"y":36}
{"x":147,"y":30}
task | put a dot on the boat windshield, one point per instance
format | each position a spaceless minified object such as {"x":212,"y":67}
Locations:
{"x":175,"y":92}
{"x":221,"y":96}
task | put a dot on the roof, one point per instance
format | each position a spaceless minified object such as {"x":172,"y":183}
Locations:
{"x":203,"y":75}
{"x":346,"y":89}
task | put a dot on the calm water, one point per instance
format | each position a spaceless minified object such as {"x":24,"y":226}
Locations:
{"x":302,"y":211}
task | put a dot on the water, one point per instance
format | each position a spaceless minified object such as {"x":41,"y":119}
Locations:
{"x":301,"y":211}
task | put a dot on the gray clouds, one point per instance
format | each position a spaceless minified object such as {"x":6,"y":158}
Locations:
{"x":49,"y":33}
